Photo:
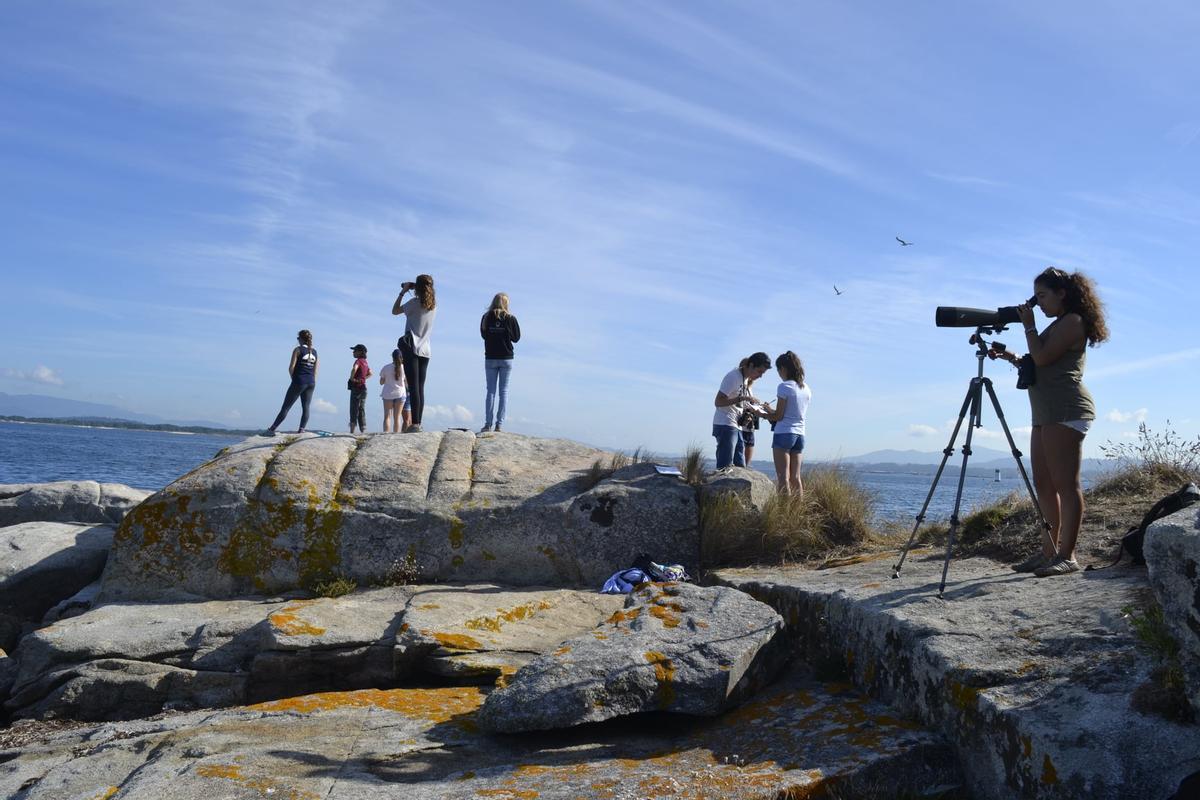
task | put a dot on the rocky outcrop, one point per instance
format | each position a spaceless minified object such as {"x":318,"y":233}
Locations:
{"x":485,"y":631}
{"x":797,"y":740}
{"x":674,"y":647}
{"x":1031,"y":680}
{"x":752,"y":487}
{"x":1172,"y":550}
{"x":47,"y":561}
{"x":272,"y":515}
{"x":124,"y":660}
{"x":67,"y":501}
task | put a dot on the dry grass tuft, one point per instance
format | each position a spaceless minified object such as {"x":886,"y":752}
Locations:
{"x":693,"y":465}
{"x":835,"y":513}
{"x":601,"y":469}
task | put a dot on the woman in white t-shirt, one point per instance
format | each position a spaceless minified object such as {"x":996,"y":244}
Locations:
{"x":787,"y":445}
{"x":730,"y":402}
{"x":394,"y":392}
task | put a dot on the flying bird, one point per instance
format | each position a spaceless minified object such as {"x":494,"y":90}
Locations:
{"x":903,"y":243}
{"x":836,"y":290}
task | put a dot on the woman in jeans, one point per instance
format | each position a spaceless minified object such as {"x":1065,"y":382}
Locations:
{"x":418,"y":312}
{"x":499,"y":330}
{"x":303,"y":369}
{"x":730,"y":402}
{"x":1062,"y":408}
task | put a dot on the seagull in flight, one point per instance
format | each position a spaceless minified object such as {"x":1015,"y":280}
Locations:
{"x":836,"y":290}
{"x":903,"y":243}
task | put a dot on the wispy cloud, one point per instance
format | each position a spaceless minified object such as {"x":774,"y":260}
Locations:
{"x":39,"y":374}
{"x":967,"y":180}
{"x":324,"y":406}
{"x":922,"y":430}
{"x":1117,"y":415}
{"x":1143,"y":364}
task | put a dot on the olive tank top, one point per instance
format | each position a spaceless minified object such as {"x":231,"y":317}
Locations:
{"x":1059,"y":394}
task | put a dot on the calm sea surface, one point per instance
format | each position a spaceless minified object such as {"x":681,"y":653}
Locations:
{"x":31,"y":453}
{"x":151,"y":459}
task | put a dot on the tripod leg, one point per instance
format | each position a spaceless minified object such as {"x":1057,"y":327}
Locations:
{"x":949,"y":451}
{"x":1020,"y":464}
{"x":976,"y":394}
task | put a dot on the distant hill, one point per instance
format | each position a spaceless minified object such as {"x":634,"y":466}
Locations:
{"x":984,"y":459}
{"x":45,"y":406}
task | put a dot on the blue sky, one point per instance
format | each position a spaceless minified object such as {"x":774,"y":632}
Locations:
{"x":662,"y":188}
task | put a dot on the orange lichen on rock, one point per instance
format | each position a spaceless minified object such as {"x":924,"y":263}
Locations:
{"x":508,"y":794}
{"x":562,"y":651}
{"x":624,"y":615}
{"x":454,"y":641}
{"x":1049,"y":773}
{"x":107,"y":793}
{"x":510,"y":615}
{"x":287,"y":622}
{"x":965,"y":698}
{"x":434,"y":705}
{"x":264,"y":786}
{"x":666,"y":613}
{"x":664,"y":673}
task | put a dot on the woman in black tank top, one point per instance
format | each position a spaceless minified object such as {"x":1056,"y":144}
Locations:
{"x":303,"y":369}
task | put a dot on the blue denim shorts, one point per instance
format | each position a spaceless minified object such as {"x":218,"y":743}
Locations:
{"x":792,"y":442}
{"x":748,"y":438}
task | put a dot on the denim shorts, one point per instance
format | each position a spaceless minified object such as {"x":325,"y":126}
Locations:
{"x":748,"y":438}
{"x":792,"y":442}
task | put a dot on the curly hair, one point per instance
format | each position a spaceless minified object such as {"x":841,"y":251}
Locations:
{"x":790,"y":368}
{"x":305,"y":337}
{"x":1081,"y":298}
{"x":425,"y":292}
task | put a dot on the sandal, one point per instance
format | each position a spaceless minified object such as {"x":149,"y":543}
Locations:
{"x":1060,"y":566}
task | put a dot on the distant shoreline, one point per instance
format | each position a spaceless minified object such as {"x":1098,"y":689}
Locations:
{"x":124,"y":424}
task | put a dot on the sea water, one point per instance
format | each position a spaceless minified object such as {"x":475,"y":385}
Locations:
{"x":35,"y":453}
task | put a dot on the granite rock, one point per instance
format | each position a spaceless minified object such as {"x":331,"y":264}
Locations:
{"x":45,"y":562}
{"x":67,"y":501}
{"x":271,"y":515}
{"x":1172,"y":550}
{"x":674,"y":647}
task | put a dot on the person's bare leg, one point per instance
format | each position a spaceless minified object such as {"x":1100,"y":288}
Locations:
{"x":387,"y":413}
{"x":781,"y":469}
{"x":1063,"y":452}
{"x":396,"y":415}
{"x":794,"y":460}
{"x":1043,"y":484}
{"x":749,"y":454}
{"x":407,"y":415}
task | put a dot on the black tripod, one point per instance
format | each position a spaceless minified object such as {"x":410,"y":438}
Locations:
{"x":974,"y":402}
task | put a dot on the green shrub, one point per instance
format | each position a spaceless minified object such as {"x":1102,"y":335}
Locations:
{"x":1165,"y":693}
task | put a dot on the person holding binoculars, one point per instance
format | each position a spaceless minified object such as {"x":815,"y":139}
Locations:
{"x":419,"y":312}
{"x":1062,"y":408}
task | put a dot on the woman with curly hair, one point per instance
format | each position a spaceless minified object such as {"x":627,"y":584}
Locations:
{"x":419,"y":312}
{"x":1062,"y":408}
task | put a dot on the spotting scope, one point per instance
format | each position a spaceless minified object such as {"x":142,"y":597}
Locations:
{"x":959,"y":317}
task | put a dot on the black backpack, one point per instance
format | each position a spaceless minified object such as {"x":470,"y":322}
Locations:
{"x":1134,"y":540}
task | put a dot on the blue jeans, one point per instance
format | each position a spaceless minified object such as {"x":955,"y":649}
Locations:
{"x":730,"y":448}
{"x":497,"y":371}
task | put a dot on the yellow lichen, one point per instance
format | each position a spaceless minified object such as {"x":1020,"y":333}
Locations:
{"x":664,"y":673}
{"x":456,"y":533}
{"x":962,"y":696}
{"x":286,"y":621}
{"x":107,"y":793}
{"x":454,"y":641}
{"x":510,"y":615}
{"x":1049,"y":773}
{"x":264,"y":786}
{"x":432,"y":705}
